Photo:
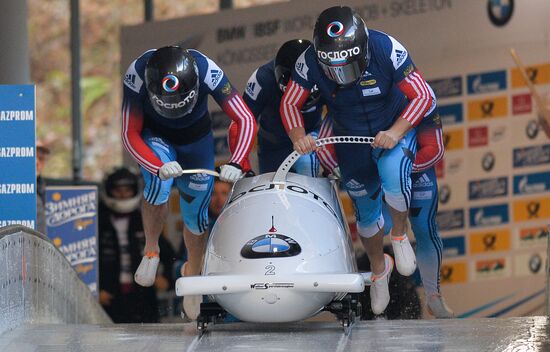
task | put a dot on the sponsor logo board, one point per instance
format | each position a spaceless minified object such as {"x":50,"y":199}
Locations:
{"x":533,"y":237}
{"x":488,"y":108}
{"x":454,"y":272}
{"x":532,"y":183}
{"x":454,"y":246}
{"x":485,"y":269}
{"x":486,"y":82}
{"x":531,"y":209}
{"x":491,"y":215}
{"x":488,"y":188}
{"x":522,"y":104}
{"x":450,"y":219}
{"x":489,"y":241}
{"x":530,"y":263}
{"x":538,"y":74}
{"x":532,"y":156}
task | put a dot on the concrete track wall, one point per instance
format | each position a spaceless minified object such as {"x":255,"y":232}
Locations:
{"x":38,"y":285}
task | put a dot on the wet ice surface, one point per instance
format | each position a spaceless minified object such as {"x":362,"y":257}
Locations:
{"x":513,"y":334}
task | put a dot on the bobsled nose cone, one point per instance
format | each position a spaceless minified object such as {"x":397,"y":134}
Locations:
{"x":405,"y":260}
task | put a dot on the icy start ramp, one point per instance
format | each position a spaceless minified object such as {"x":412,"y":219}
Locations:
{"x":512,"y":334}
{"x":38,"y":285}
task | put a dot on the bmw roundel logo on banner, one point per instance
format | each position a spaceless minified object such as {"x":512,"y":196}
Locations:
{"x":532,"y":129}
{"x":444,"y":194}
{"x":500,"y":11}
{"x":488,"y":161}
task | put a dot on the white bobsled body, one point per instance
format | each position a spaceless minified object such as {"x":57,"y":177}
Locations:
{"x":279,"y":252}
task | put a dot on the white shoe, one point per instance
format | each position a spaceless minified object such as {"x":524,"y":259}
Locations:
{"x":147,"y":271}
{"x":438,"y":308}
{"x":379,"y":291}
{"x":405,"y":260}
{"x":191,"y":304}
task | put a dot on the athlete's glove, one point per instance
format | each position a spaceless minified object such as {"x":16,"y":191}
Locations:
{"x":169,"y":170}
{"x":231,"y":172}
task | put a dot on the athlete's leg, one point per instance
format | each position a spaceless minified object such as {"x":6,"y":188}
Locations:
{"x":429,"y":246}
{"x":154,"y":209}
{"x":395,"y":166}
{"x":361,"y":181}
{"x":195,"y":191}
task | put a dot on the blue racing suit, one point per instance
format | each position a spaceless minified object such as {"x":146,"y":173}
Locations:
{"x":391,"y":87}
{"x":154,"y":140}
{"x":263,"y":97}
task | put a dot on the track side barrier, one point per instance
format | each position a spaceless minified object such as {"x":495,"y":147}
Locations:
{"x":38,"y":285}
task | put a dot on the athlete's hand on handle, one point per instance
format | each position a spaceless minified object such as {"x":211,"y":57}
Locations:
{"x":305,"y":145}
{"x":386,"y":139}
{"x":231,"y":172}
{"x":169,"y":170}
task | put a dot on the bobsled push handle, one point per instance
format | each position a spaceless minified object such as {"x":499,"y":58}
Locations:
{"x":284,"y":168}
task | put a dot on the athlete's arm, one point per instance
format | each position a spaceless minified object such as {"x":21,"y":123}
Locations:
{"x":327,"y":154}
{"x":132,"y":124}
{"x":409,"y":80}
{"x":291,"y":114}
{"x":430,"y":144}
{"x":233,"y":105}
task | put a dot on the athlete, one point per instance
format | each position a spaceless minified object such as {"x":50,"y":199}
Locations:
{"x":423,"y":208}
{"x":263,"y":96}
{"x":166,"y":126}
{"x":372,"y":88}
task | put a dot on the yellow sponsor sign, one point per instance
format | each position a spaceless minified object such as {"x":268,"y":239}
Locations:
{"x":532,"y":209}
{"x":488,"y":108}
{"x":490,"y":241}
{"x":538,"y":74}
{"x":453,"y":139}
{"x":452,"y":273}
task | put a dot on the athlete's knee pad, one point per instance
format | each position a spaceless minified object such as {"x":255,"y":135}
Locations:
{"x":195,"y":191}
{"x":397,"y":201}
{"x":156,"y":191}
{"x":369,"y":230}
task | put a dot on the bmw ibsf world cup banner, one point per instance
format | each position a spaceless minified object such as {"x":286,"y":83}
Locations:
{"x":71,"y":222}
{"x":17,"y":156}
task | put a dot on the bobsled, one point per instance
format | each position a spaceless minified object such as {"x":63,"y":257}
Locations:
{"x":280,"y":251}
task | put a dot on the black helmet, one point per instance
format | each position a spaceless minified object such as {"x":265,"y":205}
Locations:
{"x":284,"y":63}
{"x":340,"y":39}
{"x":118,"y":177}
{"x":172,"y":81}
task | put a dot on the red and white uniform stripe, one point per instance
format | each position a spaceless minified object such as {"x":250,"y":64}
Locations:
{"x":327,"y":153}
{"x":420,"y":100}
{"x":132,"y":124}
{"x":291,"y":105}
{"x":241,"y":115}
{"x":431,"y":149}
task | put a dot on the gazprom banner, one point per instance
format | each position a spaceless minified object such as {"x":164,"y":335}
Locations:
{"x":71,"y":222}
{"x":17,"y":156}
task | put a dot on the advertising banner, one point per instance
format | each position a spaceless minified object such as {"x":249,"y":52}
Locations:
{"x":17,"y":156}
{"x":71,"y":220}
